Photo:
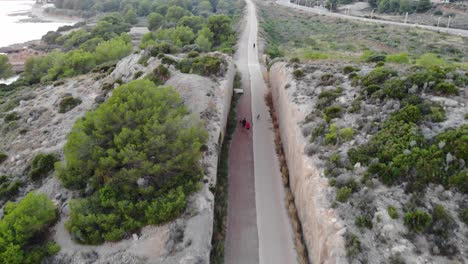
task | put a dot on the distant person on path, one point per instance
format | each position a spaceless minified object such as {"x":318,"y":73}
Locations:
{"x":247,"y":125}
{"x":254,"y":45}
{"x":243,"y":121}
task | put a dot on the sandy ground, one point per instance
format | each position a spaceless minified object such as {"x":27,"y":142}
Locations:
{"x":322,"y":11}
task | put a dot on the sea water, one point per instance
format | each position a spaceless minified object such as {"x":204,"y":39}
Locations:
{"x":13,"y":30}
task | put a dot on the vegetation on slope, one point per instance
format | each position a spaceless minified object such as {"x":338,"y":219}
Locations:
{"x":312,"y":37}
{"x":22,"y":230}
{"x":135,"y":159}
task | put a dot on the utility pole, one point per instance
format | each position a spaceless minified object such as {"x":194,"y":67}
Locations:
{"x":372,"y":14}
{"x":448,"y":24}
{"x":406,"y":17}
{"x":438,"y":21}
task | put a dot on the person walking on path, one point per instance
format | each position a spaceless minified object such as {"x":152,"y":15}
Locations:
{"x":243,"y":122}
{"x":247,"y":125}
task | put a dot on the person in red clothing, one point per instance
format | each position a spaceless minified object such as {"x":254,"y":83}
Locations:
{"x":247,"y":125}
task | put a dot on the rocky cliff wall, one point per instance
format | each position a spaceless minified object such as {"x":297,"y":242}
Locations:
{"x":321,"y":226}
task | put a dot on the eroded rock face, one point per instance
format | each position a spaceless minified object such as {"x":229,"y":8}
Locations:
{"x":186,"y":240}
{"x":331,"y":227}
{"x":321,"y":226}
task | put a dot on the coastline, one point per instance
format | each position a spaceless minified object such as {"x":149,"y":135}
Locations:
{"x":19,"y":52}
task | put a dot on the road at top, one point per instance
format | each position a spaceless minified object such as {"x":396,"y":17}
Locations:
{"x":258,"y":226}
{"x":321,"y":11}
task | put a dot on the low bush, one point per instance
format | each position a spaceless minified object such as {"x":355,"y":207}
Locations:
{"x":371,"y":56}
{"x":327,"y":97}
{"x":346,"y":134}
{"x":41,"y":165}
{"x":10,"y":117}
{"x":332,"y":136}
{"x":343,"y":194}
{"x":8,"y":188}
{"x":159,"y":75}
{"x":392,"y":212}
{"x":430,"y":60}
{"x":203,"y":65}
{"x":395,"y":88}
{"x":139,"y":153}
{"x":442,"y":222}
{"x":22,"y":228}
{"x":68,"y":103}
{"x":349,"y":69}
{"x":418,"y":220}
{"x":137,"y":75}
{"x":463,"y":215}
{"x":378,"y":76}
{"x":332,"y":112}
{"x":446,"y":88}
{"x":401,"y":58}
{"x":294,"y":60}
{"x":298,"y":73}
{"x":460,"y":181}
{"x":363,"y":221}
{"x":352,"y":244}
{"x":408,"y":114}
{"x":3,"y":157}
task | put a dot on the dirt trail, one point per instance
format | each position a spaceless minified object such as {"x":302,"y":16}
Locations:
{"x":322,"y":11}
{"x":258,"y":228}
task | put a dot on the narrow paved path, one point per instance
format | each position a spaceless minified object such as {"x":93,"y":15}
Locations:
{"x":258,"y":226}
{"x":242,"y":234}
{"x":320,"y":11}
{"x":275,"y":235}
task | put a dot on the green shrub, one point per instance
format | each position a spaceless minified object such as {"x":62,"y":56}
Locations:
{"x":20,"y":227}
{"x":446,"y":88}
{"x":363,"y":221}
{"x":392,"y":212}
{"x":318,"y":131}
{"x":3,"y":157}
{"x":429,"y":60}
{"x":460,"y":181}
{"x":352,"y":244}
{"x":395,"y":88}
{"x":349,"y":69}
{"x":438,"y":13}
{"x":10,"y":117}
{"x":137,"y":75}
{"x":343,"y":193}
{"x":193,"y":54}
{"x":327,"y":97}
{"x":203,"y":65}
{"x":68,"y":103}
{"x":378,"y":76}
{"x":159,"y":75}
{"x":332,"y":136}
{"x":408,"y":114}
{"x":298,"y":73}
{"x":8,"y":188}
{"x":41,"y":165}
{"x":332,"y":112}
{"x":463,"y":215}
{"x":443,"y":223}
{"x":141,"y":133}
{"x":401,"y":58}
{"x":346,"y":134}
{"x":418,"y":220}
{"x":370,"y":56}
{"x":294,"y":60}
{"x":371,"y":89}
